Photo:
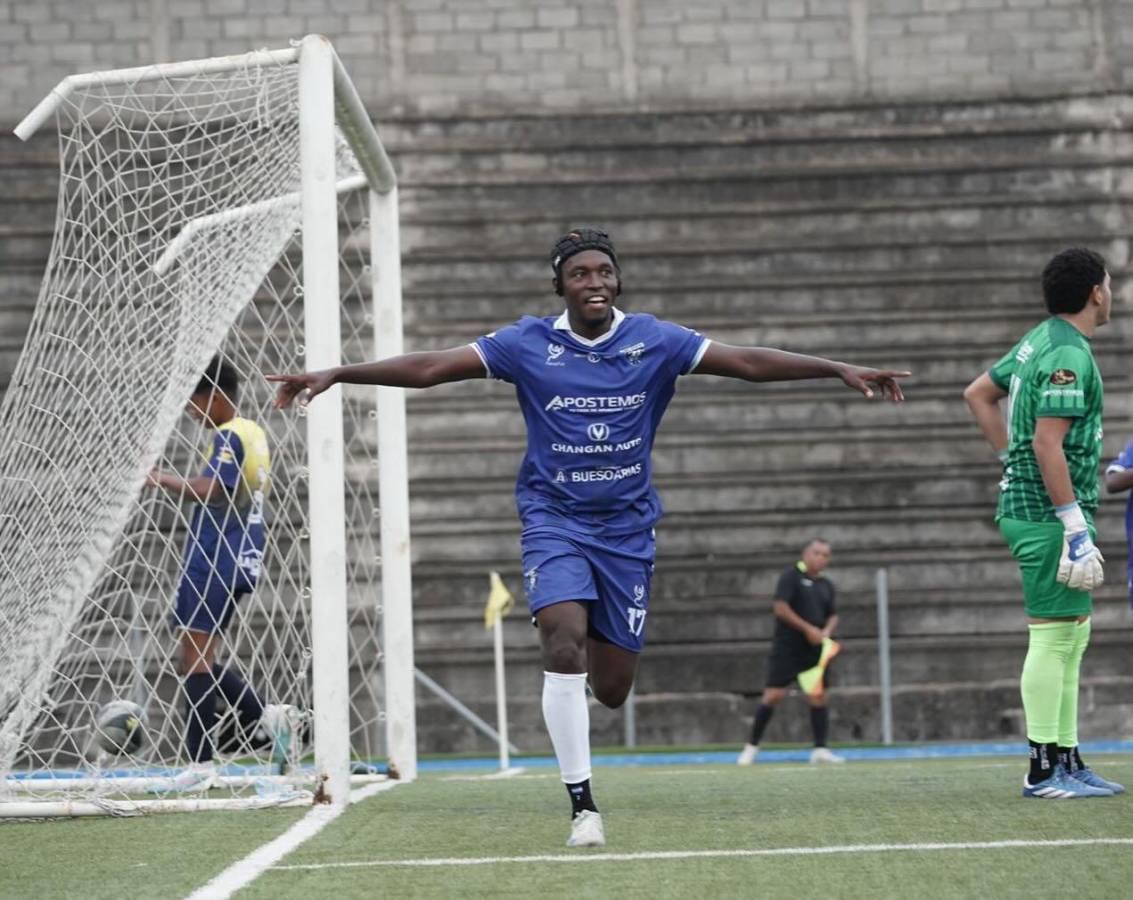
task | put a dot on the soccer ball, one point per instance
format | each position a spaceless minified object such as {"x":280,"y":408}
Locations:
{"x":120,"y":727}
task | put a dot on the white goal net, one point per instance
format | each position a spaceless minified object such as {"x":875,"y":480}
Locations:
{"x":180,"y":239}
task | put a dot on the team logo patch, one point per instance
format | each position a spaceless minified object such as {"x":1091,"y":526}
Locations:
{"x":633,"y":353}
{"x":554,"y":351}
{"x":1062,"y":376}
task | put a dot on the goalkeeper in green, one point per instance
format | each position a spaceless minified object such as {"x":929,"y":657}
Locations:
{"x":1050,"y":446}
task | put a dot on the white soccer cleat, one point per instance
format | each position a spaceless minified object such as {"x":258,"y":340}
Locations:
{"x":820,"y":755}
{"x":586,"y":830}
{"x":747,"y":755}
{"x":281,"y":722}
{"x":194,"y":779}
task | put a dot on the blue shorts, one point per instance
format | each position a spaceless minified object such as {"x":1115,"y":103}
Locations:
{"x":207,"y":595}
{"x":611,"y":574}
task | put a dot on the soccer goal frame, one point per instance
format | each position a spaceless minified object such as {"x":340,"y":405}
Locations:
{"x":328,"y":106}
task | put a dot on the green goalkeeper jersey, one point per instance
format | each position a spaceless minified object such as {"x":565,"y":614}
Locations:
{"x":1050,"y":372}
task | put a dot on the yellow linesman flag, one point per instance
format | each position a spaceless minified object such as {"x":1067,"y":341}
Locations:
{"x":499,"y":602}
{"x":811,"y":681}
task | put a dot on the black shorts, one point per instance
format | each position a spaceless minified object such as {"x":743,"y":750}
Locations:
{"x":785,"y":663}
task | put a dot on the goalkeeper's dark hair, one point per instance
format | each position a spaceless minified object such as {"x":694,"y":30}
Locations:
{"x":219,"y":374}
{"x":575,"y":241}
{"x":1069,"y":279}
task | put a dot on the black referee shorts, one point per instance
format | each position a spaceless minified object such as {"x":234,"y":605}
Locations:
{"x":785,"y":663}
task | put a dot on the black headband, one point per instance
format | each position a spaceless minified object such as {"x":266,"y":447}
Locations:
{"x":576,"y":241}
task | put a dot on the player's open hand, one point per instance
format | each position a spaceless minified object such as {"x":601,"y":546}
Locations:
{"x":306,"y":387}
{"x":868,"y":381}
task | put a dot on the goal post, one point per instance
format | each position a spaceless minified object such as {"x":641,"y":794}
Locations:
{"x":240,"y":207}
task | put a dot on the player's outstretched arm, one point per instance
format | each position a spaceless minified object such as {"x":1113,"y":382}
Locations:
{"x":983,"y":396}
{"x":199,"y":489}
{"x":412,"y":370}
{"x":767,"y":364}
{"x":1118,"y":481}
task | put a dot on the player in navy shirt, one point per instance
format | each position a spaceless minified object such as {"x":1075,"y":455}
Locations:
{"x":223,"y":553}
{"x":593,"y":384}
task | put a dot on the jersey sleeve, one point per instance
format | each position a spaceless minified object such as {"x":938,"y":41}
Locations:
{"x":227,"y":459}
{"x":785,"y":586}
{"x":684,"y":347}
{"x":831,"y":606}
{"x":1061,"y":379}
{"x":499,"y":351}
{"x":1124,"y":462}
{"x":1001,"y":372}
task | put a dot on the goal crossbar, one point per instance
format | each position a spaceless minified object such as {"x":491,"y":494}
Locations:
{"x":355,"y":125}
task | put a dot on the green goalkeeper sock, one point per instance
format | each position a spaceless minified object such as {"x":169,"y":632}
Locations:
{"x":1068,"y":710}
{"x":1049,"y":652}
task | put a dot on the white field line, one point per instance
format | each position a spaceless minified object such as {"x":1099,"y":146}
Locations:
{"x":575,"y":858}
{"x":508,"y":774}
{"x":243,"y":872}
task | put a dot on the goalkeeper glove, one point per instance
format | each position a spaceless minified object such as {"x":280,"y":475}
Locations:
{"x":1080,"y":566}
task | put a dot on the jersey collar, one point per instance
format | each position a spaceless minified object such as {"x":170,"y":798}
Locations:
{"x":562,"y":323}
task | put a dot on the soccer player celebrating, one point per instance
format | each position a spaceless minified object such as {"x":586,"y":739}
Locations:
{"x":223,"y":554}
{"x":593,"y":384}
{"x":1050,"y":447}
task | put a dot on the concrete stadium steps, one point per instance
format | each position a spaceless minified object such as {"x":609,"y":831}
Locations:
{"x":756,"y":192}
{"x":921,"y":712}
{"x":737,"y":450}
{"x":709,"y":261}
{"x":840,"y":332}
{"x":755,"y":489}
{"x":733,"y":533}
{"x":966,"y":567}
{"x":740,"y":666}
{"x":810,"y":123}
{"x":939,"y":611}
{"x":901,"y":292}
{"x":578,"y":157}
{"x":831,"y":227}
{"x":777,"y":410}
{"x":908,"y":235}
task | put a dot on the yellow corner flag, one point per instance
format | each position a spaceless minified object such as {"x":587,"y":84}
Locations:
{"x":811,"y":681}
{"x":499,"y":602}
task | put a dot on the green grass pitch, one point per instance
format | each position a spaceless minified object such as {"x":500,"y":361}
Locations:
{"x":681,"y":810}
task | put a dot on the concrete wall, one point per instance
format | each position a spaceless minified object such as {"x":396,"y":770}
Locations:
{"x":467,"y":56}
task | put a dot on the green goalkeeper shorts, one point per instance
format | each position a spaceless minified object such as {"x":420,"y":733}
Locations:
{"x":1037,"y":547}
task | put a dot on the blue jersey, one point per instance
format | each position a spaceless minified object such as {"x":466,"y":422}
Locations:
{"x":592,"y":408}
{"x":230,"y":530}
{"x":1123,"y":463}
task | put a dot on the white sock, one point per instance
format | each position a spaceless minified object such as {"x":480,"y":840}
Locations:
{"x":568,"y":723}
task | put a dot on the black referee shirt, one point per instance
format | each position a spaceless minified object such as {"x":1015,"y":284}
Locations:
{"x":812,"y":600}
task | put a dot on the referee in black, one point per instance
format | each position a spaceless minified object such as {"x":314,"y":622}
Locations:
{"x":804,"y":616}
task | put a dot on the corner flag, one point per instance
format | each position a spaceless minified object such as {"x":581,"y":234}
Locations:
{"x":499,"y":602}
